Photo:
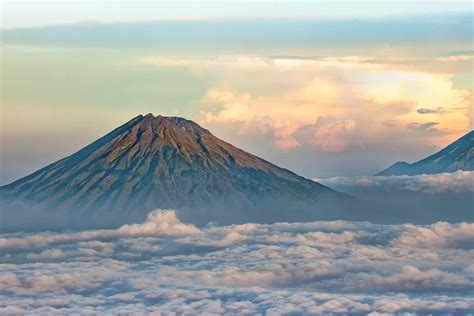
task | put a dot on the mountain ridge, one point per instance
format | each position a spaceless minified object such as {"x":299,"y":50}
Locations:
{"x":459,"y":155}
{"x":168,"y":162}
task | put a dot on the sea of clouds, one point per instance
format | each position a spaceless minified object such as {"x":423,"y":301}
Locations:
{"x":420,"y":199}
{"x":166,"y":266}
{"x":455,"y":182}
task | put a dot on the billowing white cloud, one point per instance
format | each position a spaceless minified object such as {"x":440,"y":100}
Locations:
{"x":412,"y":278}
{"x":159,"y":223}
{"x":166,"y":266}
{"x":440,"y":234}
{"x":460,"y":181}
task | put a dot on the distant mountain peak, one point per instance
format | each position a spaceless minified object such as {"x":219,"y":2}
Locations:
{"x":169,"y":162}
{"x":458,"y":155}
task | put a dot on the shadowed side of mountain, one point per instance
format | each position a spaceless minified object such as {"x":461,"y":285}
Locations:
{"x":397,"y":169}
{"x":458,"y":155}
{"x":167,"y":162}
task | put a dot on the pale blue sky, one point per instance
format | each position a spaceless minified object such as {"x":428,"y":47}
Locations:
{"x":40,"y":13}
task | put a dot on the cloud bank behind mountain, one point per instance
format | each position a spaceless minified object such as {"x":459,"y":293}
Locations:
{"x":421,"y":199}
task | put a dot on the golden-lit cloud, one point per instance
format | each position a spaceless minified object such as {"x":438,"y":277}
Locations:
{"x":332,"y":103}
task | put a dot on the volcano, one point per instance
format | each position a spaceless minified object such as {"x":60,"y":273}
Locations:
{"x":459,"y":155}
{"x":167,"y":162}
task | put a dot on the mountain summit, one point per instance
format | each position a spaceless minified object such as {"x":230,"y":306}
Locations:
{"x":458,"y":155}
{"x":169,"y":162}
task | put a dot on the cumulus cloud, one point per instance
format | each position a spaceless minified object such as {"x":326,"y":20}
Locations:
{"x":440,"y":234}
{"x":159,"y":223}
{"x":412,"y":278}
{"x":460,"y":181}
{"x":166,"y":266}
{"x":328,"y":134}
{"x":330,"y":103}
{"x":401,"y":303}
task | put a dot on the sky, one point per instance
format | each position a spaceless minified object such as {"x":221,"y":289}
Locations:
{"x":322,"y":88}
{"x":19,"y":13}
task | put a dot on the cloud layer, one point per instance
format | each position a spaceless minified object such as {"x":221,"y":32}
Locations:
{"x":167,"y":266}
{"x":455,"y":182}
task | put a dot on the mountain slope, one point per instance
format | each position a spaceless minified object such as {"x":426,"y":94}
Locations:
{"x":167,"y":162}
{"x":459,"y":155}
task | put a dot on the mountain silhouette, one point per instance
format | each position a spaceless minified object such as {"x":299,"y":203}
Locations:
{"x":458,"y":155}
{"x":168,"y":162}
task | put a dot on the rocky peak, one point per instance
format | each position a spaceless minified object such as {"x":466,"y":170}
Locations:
{"x":167,"y":162}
